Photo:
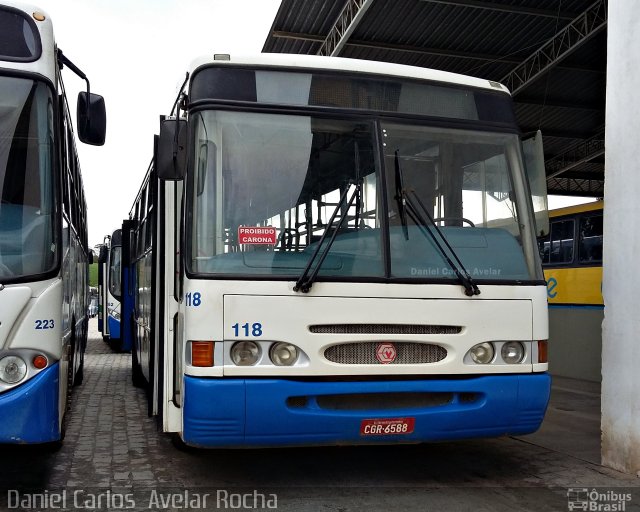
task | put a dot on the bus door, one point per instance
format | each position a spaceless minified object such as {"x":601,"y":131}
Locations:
{"x":167,"y":358}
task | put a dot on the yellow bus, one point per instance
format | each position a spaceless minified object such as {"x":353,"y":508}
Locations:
{"x":571,"y":256}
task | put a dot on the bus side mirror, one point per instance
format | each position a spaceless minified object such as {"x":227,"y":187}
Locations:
{"x":92,"y":118}
{"x":91,"y":259}
{"x":172,"y":151}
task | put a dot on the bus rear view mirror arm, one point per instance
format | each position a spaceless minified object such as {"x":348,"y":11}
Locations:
{"x":172,"y":155}
{"x":91,"y":111}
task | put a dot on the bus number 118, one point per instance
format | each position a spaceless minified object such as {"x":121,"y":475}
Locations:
{"x":254,"y":330}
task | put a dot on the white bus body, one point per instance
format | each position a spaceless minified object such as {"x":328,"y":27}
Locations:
{"x":44,"y":253}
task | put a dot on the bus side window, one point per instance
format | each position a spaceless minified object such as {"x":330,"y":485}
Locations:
{"x":590,"y":247}
{"x":544,"y":246}
{"x":562,"y":241}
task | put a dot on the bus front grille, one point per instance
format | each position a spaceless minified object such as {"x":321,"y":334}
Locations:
{"x":384,"y":329}
{"x":367,"y":353}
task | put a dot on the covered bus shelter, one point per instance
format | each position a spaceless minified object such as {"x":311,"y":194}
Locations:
{"x":552,"y":55}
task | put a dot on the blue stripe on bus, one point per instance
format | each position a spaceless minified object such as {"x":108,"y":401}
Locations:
{"x":30,"y":412}
{"x":114,"y":328}
{"x":238,"y":412}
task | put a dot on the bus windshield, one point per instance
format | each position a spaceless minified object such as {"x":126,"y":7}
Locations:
{"x":264,"y":188}
{"x":27,"y":236}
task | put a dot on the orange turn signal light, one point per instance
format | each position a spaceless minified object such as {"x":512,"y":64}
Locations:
{"x":542,"y":351}
{"x":202,"y":353}
{"x":39,"y":362}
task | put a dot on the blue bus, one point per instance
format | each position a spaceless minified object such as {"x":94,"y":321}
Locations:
{"x":110,"y":286}
{"x":44,"y":254}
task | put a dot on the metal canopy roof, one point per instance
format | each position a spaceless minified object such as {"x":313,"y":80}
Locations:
{"x":550,"y":53}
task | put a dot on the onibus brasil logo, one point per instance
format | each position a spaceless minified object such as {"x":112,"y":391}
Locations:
{"x":583,"y":498}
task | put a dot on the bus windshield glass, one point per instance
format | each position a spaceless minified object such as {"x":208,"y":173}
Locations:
{"x":27,"y":234}
{"x":264,"y":188}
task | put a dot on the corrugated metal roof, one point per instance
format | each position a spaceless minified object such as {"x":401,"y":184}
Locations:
{"x":483,"y":38}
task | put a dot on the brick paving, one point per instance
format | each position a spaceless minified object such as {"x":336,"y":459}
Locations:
{"x":112,"y":446}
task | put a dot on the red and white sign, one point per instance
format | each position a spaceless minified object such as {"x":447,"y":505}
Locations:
{"x":257,"y":235}
{"x":387,"y":427}
{"x":386,"y":353}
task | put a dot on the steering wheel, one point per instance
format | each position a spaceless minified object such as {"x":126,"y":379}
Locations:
{"x":441,"y":219}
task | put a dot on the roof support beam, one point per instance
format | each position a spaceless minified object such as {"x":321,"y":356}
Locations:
{"x":554,"y":103}
{"x":558,"y":134}
{"x":490,"y":6}
{"x":588,"y":175}
{"x":572,"y":158}
{"x":569,"y":39}
{"x":575,"y":187}
{"x":419,"y":50}
{"x":344,"y":26}
{"x":438,"y":52}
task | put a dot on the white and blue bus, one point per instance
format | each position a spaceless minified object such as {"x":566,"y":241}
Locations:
{"x":330,"y":251}
{"x":110,"y":290}
{"x":44,"y":254}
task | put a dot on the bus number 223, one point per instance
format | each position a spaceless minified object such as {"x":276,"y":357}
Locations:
{"x":253,"y":329}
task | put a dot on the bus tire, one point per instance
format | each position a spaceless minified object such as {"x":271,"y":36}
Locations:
{"x":80,"y":373}
{"x":115,"y":345}
{"x":77,"y":376}
{"x":52,"y":446}
{"x":137,"y":377}
{"x":180,"y":445}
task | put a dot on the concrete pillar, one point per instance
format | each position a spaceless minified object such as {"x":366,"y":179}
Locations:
{"x":621,"y":280}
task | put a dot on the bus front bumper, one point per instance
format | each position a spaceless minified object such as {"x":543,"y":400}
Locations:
{"x":29,"y":412}
{"x":279,"y":412}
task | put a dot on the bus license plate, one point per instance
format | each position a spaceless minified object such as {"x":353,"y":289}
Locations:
{"x":387,"y":427}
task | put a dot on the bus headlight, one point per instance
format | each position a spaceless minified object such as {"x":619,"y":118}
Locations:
{"x":283,"y":354}
{"x":482,"y":353}
{"x":512,"y":352}
{"x":12,"y":369}
{"x":245,"y":353}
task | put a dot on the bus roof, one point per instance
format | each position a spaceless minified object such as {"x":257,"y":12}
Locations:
{"x":580,"y":208}
{"x":45,"y":64}
{"x":343,"y":64}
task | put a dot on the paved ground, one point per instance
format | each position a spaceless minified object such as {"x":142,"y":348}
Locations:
{"x":114,"y":458}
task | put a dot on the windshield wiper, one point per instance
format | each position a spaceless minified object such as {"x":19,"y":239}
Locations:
{"x":470,"y":287}
{"x":304,"y":283}
{"x":400,"y":197}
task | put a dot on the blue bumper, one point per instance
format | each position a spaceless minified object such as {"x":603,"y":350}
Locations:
{"x":278,"y":412}
{"x":114,"y":328}
{"x":29,"y":413}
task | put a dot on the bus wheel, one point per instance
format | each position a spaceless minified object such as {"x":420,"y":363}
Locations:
{"x":137,"y":377}
{"x":180,"y":445}
{"x":51,"y":447}
{"x":78,"y":355}
{"x":80,"y":373}
{"x":56,"y":445}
